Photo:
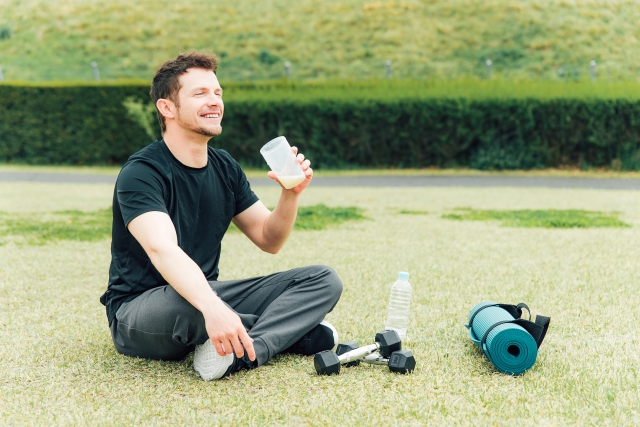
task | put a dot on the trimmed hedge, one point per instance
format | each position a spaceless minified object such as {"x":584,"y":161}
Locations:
{"x":487,"y":134}
{"x":71,"y":125}
{"x":89,"y":125}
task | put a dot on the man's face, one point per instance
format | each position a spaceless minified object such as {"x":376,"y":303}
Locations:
{"x":200,"y":105}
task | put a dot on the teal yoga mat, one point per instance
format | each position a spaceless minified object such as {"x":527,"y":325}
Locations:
{"x":509,"y":347}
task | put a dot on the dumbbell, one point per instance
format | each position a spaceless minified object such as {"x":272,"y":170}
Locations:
{"x":345,"y":347}
{"x":328,"y":362}
{"x":401,"y":361}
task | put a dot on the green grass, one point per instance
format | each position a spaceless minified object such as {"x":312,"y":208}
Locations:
{"x":412,"y":212}
{"x":334,"y":39}
{"x":38,"y":229}
{"x":550,"y":218}
{"x":58,"y":365}
{"x":320,"y":216}
{"x":60,"y":225}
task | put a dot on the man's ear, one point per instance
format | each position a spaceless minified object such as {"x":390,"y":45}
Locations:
{"x":166,"y":107}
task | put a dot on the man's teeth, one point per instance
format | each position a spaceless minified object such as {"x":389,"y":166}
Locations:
{"x":212,"y":116}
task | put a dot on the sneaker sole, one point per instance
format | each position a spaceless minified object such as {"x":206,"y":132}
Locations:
{"x":208,"y":363}
{"x":333,"y":329}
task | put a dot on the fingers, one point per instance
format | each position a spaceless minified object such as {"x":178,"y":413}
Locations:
{"x":236,"y":342}
{"x":237,"y":347}
{"x":227,"y":333}
{"x":304,"y":164}
{"x":247,"y":341}
{"x":218,"y":346}
{"x":299,"y":156}
{"x":274,"y":177}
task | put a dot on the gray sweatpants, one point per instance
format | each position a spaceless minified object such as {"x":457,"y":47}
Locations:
{"x":276,"y":310}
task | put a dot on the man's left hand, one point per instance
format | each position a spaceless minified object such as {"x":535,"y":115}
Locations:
{"x":305,"y":166}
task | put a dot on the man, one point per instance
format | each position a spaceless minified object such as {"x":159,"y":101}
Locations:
{"x":172,"y":203}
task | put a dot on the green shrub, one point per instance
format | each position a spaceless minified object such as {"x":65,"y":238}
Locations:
{"x":484,"y":125}
{"x":143,"y":114}
{"x":484,"y":134}
{"x":77,"y":125}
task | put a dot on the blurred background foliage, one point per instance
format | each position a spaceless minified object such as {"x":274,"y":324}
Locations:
{"x":105,"y":124}
{"x":437,"y":108}
{"x":332,"y":39}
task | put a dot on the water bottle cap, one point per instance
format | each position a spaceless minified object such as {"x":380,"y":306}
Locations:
{"x":403,"y":275}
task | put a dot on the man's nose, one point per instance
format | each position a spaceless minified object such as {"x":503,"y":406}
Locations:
{"x":214,"y":99}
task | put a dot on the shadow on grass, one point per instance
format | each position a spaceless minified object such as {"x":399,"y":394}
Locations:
{"x":551,"y":218}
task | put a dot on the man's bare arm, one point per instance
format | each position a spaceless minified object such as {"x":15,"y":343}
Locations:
{"x":270,"y":230}
{"x":157,"y":236}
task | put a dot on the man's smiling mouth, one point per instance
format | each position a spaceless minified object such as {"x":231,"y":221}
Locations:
{"x":211,"y":115}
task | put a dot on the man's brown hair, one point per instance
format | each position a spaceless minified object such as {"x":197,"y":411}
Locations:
{"x":165,"y":83}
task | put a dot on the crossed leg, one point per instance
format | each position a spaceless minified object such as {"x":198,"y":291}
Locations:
{"x":277,"y":310}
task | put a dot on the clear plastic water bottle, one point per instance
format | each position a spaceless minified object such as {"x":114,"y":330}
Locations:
{"x":399,"y":303}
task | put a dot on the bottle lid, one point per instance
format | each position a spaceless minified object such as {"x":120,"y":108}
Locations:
{"x":403,"y":275}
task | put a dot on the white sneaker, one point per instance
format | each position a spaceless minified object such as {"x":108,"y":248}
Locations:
{"x":333,"y":330}
{"x":209,"y":364}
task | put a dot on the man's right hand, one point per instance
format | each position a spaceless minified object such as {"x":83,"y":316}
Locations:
{"x":226,"y":331}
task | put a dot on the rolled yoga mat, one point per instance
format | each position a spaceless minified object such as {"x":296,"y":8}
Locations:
{"x":509,"y":347}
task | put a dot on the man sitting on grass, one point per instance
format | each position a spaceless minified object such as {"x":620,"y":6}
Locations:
{"x":172,"y":204}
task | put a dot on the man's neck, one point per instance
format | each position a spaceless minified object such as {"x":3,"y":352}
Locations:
{"x":190,"y":151}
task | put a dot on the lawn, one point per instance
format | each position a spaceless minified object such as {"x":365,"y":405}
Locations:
{"x":333,"y":39}
{"x":58,"y":365}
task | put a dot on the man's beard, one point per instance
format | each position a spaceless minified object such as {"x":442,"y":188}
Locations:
{"x":198,"y":129}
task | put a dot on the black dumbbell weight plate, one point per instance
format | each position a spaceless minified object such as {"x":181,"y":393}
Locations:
{"x":344,"y":347}
{"x":389,"y":342}
{"x":402,"y":362}
{"x":326,"y":363}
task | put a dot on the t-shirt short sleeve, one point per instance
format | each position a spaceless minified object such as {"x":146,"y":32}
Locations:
{"x":245,"y":197}
{"x":140,"y":189}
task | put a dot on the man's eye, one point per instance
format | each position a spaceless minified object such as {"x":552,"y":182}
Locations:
{"x":199,"y":93}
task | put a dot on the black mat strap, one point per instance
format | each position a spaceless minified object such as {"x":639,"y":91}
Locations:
{"x":543,"y":322}
{"x":519,"y":307}
{"x":514,"y":310}
{"x":486,"y":334}
{"x":537,"y":329}
{"x":470,"y":324}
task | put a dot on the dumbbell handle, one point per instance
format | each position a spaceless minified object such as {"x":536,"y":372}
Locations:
{"x":376,"y":359}
{"x":358,"y":353}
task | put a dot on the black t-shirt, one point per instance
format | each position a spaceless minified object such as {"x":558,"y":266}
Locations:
{"x":200,"y":202}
